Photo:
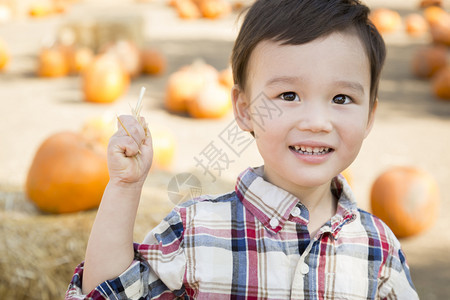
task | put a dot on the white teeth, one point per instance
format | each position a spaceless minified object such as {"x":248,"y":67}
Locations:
{"x":311,"y":150}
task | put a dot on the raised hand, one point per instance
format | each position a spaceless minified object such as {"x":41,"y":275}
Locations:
{"x":130,"y":151}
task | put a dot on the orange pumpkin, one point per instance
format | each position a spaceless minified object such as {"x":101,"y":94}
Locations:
{"x":213,"y":101}
{"x":4,"y":55}
{"x":99,"y":129}
{"x":197,"y":2}
{"x":226,"y":78}
{"x":441,"y":84}
{"x":214,"y":9}
{"x":79,"y":58}
{"x":416,"y":25}
{"x":187,"y":9}
{"x":440,"y":29}
{"x":386,"y":20}
{"x":68,"y":174}
{"x":164,"y":147}
{"x":60,"y":6}
{"x":428,"y":60}
{"x":153,"y":61}
{"x":434,"y":14}
{"x":105,"y":79}
{"x":128,"y":54}
{"x":427,"y":3}
{"x":238,"y":5}
{"x":406,"y":199}
{"x":53,"y":62}
{"x":184,"y":85}
{"x":40,"y":9}
{"x":439,"y":21}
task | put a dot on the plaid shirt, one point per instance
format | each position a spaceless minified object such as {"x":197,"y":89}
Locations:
{"x":253,"y":243}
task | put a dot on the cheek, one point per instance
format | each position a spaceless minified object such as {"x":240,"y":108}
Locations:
{"x":267,"y":118}
{"x":352,"y":135}
{"x":269,"y":135}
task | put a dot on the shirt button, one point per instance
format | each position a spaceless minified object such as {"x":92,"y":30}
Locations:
{"x":274,"y":222}
{"x":296,"y":211}
{"x":304,"y":269}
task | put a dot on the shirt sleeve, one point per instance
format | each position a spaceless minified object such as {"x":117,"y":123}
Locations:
{"x":395,"y":281}
{"x":156,"y":272}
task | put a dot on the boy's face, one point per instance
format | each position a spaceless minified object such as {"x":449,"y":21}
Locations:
{"x":308,"y":106}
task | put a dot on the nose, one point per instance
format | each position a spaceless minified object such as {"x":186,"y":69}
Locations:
{"x":315,"y":117}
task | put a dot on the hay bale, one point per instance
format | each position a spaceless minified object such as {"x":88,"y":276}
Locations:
{"x":39,"y":252}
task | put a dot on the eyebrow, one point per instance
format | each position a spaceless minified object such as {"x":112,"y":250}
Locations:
{"x":283,"y":79}
{"x":355,"y":86}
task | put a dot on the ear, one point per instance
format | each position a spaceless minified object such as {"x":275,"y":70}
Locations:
{"x":371,"y":118}
{"x":241,"y":109}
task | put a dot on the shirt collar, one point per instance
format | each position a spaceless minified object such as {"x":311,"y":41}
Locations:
{"x":272,"y":205}
{"x":346,"y":211}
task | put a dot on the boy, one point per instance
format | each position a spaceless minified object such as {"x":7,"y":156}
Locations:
{"x":291,"y":228}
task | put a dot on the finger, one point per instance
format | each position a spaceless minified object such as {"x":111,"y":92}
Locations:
{"x":145,"y":126}
{"x":147,"y":146}
{"x":128,"y":125}
{"x":124,"y":145}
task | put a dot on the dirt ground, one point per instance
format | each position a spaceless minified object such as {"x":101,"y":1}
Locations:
{"x":411,"y":128}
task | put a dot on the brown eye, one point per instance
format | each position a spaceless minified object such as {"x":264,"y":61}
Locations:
{"x":289,"y":96}
{"x":342,"y":99}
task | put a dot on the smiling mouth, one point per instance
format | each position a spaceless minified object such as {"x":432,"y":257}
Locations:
{"x":311,"y":150}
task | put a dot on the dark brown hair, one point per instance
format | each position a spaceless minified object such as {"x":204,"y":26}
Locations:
{"x":295,"y":22}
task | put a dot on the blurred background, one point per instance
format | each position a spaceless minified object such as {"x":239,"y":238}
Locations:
{"x":68,"y":67}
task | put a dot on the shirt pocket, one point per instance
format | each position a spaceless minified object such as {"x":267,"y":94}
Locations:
{"x":347,"y":286}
